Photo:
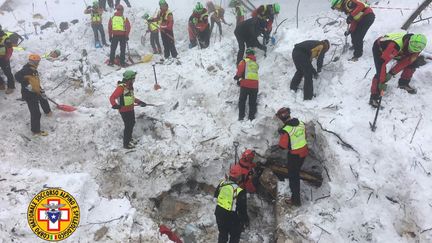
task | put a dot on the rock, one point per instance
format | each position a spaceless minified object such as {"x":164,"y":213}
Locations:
{"x":172,"y":208}
{"x":100,"y":233}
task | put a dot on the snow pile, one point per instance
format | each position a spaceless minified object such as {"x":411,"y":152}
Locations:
{"x":380,"y":193}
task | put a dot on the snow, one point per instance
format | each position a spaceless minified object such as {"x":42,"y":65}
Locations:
{"x":83,"y":153}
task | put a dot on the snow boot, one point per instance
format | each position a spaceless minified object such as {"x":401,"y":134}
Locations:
{"x":373,"y":101}
{"x":9,"y":91}
{"x":2,"y":87}
{"x":408,"y":88}
{"x":41,"y":133}
{"x":291,"y":202}
{"x":130,"y":145}
{"x":98,"y":44}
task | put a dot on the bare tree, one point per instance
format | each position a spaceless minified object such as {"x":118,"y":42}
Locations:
{"x":416,"y":13}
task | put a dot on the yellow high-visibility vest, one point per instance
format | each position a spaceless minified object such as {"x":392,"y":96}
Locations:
{"x":128,"y":98}
{"x":118,"y":23}
{"x":251,"y":70}
{"x":227,"y":198}
{"x":297,"y":135}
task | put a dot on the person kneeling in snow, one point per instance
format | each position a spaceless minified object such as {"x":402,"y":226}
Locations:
{"x":231,"y":210}
{"x":32,"y":93}
{"x":302,"y":55}
{"x":403,"y":47}
{"x":293,"y":138}
{"x":249,"y":170}
{"x":123,"y":99}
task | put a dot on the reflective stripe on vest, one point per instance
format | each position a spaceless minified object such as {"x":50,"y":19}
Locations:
{"x":96,"y":18}
{"x":297,"y":135}
{"x":395,"y":37}
{"x":251,"y":71}
{"x":227,"y":198}
{"x":127,"y":98}
{"x":360,"y":14}
{"x":118,"y":23}
{"x":153,"y":25}
{"x":2,"y":46}
{"x":203,"y":16}
{"x":165,"y":16}
{"x":241,"y":11}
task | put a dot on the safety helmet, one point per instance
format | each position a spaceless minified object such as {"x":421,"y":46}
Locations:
{"x":250,"y":51}
{"x":235,"y":173}
{"x":283,"y":113}
{"x":199,"y":7}
{"x":57,"y":52}
{"x":248,"y":155}
{"x":34,"y":58}
{"x":119,"y":7}
{"x":146,"y":16}
{"x":276,"y":8}
{"x":129,"y":74}
{"x":162,"y":2}
{"x":417,"y":43}
{"x":95,"y":3}
{"x":336,"y":4}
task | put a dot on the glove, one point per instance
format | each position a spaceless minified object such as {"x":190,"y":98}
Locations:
{"x":347,"y":33}
{"x":43,"y":95}
{"x":246,"y":224}
{"x":382,"y":86}
{"x":127,"y":38}
{"x":266,"y":38}
{"x":388,"y":76}
{"x":315,"y":75}
{"x":349,"y":19}
{"x":236,"y":78}
{"x":318,"y":70}
{"x":110,"y":39}
{"x":89,"y":7}
{"x":116,"y":106}
{"x":238,"y":82}
{"x":143,"y":104}
{"x":264,"y":48}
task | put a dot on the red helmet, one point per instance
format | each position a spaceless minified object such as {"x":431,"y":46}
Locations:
{"x":248,"y":155}
{"x":283,"y":113}
{"x":235,"y":172}
{"x":119,"y":7}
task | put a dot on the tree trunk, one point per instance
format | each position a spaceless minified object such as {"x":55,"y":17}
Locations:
{"x":416,"y":13}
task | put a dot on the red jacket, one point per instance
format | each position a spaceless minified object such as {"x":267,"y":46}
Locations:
{"x":284,"y":140}
{"x":354,"y":7}
{"x":167,"y":20}
{"x":118,"y":92}
{"x":390,"y":50}
{"x":112,"y":33}
{"x":201,"y":20}
{"x":265,"y":12}
{"x":247,"y":174}
{"x":241,"y":68}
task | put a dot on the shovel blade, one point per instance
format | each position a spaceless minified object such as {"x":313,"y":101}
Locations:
{"x":66,"y":108}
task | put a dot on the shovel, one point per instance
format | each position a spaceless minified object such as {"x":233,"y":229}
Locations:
{"x":346,"y":45}
{"x":66,"y":108}
{"x":156,"y":86}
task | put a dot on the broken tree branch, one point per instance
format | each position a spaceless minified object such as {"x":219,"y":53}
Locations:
{"x":322,"y":229}
{"x":415,"y":130}
{"x":212,"y":138}
{"x":345,"y":144}
{"x":104,"y":222}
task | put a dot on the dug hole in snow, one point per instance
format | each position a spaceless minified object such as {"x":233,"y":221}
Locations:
{"x":376,"y":185}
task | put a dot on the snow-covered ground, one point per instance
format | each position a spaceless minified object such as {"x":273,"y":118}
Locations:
{"x":381,"y":193}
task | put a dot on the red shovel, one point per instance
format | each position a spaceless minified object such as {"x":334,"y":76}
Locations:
{"x":156,"y":86}
{"x":66,"y":108}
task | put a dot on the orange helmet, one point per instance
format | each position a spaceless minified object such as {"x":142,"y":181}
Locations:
{"x":34,"y":57}
{"x":248,"y":155}
{"x":283,"y":113}
{"x":235,"y":173}
{"x":119,"y":7}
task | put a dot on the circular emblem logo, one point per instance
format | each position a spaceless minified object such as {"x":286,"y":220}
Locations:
{"x":53,"y":214}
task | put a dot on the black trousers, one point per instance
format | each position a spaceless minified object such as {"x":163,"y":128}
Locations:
{"x":102,"y":4}
{"x":212,"y":22}
{"x":228,"y":229}
{"x":295,"y":163}
{"x":379,"y":62}
{"x":168,"y":43}
{"x":115,"y":41}
{"x":98,"y":28}
{"x":244,"y":94}
{"x":305,"y":69}
{"x":117,"y":2}
{"x":154,"y":41}
{"x":33,"y":101}
{"x":129,"y":123}
{"x":204,"y":37}
{"x":7,"y":71}
{"x":359,"y":33}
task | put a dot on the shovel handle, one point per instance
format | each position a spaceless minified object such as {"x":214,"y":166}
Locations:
{"x":154,"y":71}
{"x":52,"y":101}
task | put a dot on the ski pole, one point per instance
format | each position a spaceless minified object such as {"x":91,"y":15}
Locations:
{"x":236,"y":144}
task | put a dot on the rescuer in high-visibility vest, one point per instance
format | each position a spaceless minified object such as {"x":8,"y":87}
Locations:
{"x":96,"y":12}
{"x":153,"y":29}
{"x":293,"y":139}
{"x":239,"y":10}
{"x":302,"y":55}
{"x":166,"y":19}
{"x":231,"y":209}
{"x":403,"y":47}
{"x":247,"y":78}
{"x":6,"y":50}
{"x":267,"y":13}
{"x":198,"y":27}
{"x":118,"y":30}
{"x":124,"y":100}
{"x":360,"y":17}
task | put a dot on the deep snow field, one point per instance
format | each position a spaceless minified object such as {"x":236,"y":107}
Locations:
{"x":379,"y":191}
